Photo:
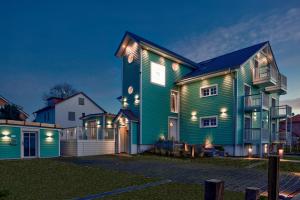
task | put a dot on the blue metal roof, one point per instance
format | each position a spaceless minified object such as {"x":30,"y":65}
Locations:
{"x":231,"y":60}
{"x":146,"y":42}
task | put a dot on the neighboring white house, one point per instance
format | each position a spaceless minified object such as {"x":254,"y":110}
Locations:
{"x":67,"y":112}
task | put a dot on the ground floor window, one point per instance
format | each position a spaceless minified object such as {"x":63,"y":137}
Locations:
{"x":208,"y":122}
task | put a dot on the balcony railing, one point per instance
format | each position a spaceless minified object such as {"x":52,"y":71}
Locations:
{"x":266,"y":75}
{"x":281,"y":85}
{"x":256,"y":102}
{"x":252,"y":135}
{"x":87,"y":133}
{"x":281,"y":111}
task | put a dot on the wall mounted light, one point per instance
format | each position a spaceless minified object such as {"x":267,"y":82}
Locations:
{"x":6,"y":137}
{"x":49,"y":137}
{"x":98,"y":124}
{"x":125,"y":104}
{"x":162,"y":137}
{"x":266,"y":148}
{"x":109,"y":124}
{"x":136,"y":99}
{"x":130,"y":58}
{"x":86,"y":125}
{"x":130,"y":90}
{"x":224,"y":112}
{"x":280,"y":153}
{"x":171,"y":124}
{"x":194,"y":116}
{"x":175,"y":67}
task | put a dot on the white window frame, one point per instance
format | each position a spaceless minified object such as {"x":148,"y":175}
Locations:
{"x":209,"y":87}
{"x":209,"y":117}
{"x":177,"y":99}
{"x":151,"y":79}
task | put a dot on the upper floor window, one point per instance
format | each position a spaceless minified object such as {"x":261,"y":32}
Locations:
{"x":208,"y":122}
{"x":80,"y":101}
{"x":207,"y":91}
{"x":158,"y":74}
{"x":71,"y":116}
{"x":174,"y":101}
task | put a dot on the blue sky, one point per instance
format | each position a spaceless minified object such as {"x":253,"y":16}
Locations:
{"x":47,"y":42}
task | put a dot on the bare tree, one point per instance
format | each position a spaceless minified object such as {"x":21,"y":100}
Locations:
{"x":62,"y":91}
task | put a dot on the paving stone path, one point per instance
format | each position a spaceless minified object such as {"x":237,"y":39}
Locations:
{"x":235,"y":179}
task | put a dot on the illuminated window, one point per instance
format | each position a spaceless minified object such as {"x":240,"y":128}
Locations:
{"x":207,"y":91}
{"x":158,"y":74}
{"x":174,"y":101}
{"x":208,"y":122}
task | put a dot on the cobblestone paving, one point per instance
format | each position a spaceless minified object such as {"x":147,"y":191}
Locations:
{"x":235,"y":179}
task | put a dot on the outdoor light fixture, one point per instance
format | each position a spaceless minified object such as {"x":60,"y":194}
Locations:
{"x":194,"y":116}
{"x":250,"y":150}
{"x":5,"y":136}
{"x":280,"y":152}
{"x":175,"y":67}
{"x":49,"y":137}
{"x":130,"y":90}
{"x":162,"y":137}
{"x":109,"y":124}
{"x":223,"y":112}
{"x":98,"y":124}
{"x":266,"y":148}
{"x":136,"y":99}
{"x":171,"y":124}
{"x":130,"y":58}
{"x":125,"y":104}
{"x":85,"y":125}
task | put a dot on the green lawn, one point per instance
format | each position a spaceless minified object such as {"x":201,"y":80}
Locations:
{"x":50,"y":179}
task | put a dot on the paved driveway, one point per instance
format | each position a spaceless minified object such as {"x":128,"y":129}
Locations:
{"x":235,"y":179}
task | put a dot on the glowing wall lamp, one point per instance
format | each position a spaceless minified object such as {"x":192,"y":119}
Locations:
{"x":175,"y":67}
{"x":6,"y":137}
{"x":280,"y":152}
{"x":49,"y":137}
{"x":224,"y":112}
{"x":136,"y":99}
{"x":266,"y":148}
{"x":194,"y":116}
{"x":109,"y":124}
{"x":86,"y":125}
{"x":98,"y":124}
{"x":125,"y":104}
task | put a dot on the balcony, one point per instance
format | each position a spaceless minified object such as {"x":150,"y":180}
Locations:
{"x":280,"y":87}
{"x":280,"y":112}
{"x":256,"y":102}
{"x":282,"y":137}
{"x":252,"y":135}
{"x":265,"y":75}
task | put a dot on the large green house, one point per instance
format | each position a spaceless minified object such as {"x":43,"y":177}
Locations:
{"x":231,"y":100}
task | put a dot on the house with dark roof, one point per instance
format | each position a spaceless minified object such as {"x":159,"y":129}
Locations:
{"x":230,"y":100}
{"x":23,"y":115}
{"x":67,"y":112}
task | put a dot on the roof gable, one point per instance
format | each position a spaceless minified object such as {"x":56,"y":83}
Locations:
{"x":153,"y":47}
{"x":227,"y":61}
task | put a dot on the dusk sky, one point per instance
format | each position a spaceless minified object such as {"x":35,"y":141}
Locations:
{"x":43,"y":43}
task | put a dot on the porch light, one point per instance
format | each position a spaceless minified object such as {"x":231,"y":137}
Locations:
{"x":125,"y":104}
{"x":265,"y":148}
{"x":136,"y":99}
{"x":162,"y":137}
{"x":98,"y":124}
{"x":171,"y":124}
{"x":194,"y":116}
{"x":175,"y":67}
{"x":85,"y":125}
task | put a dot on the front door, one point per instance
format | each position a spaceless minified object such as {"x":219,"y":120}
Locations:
{"x":173,"y":129}
{"x":123,"y":131}
{"x":29,"y":144}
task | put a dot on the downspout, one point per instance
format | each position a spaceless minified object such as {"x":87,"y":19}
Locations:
{"x":139,"y":142}
{"x":234,"y":106}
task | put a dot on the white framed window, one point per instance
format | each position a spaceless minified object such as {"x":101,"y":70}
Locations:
{"x":158,"y":74}
{"x":209,"y":122}
{"x":210,"y":90}
{"x":174,"y":101}
{"x":80,"y":101}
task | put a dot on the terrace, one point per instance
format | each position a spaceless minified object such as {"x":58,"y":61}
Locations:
{"x":280,"y":87}
{"x":256,"y":102}
{"x":279,"y":112}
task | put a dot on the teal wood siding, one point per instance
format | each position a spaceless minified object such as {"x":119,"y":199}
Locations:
{"x":134,"y":132}
{"x":190,"y":131}
{"x":156,"y":99}
{"x":131,"y":77}
{"x":10,"y":150}
{"x":49,"y":148}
